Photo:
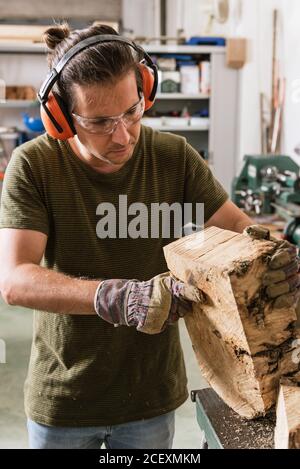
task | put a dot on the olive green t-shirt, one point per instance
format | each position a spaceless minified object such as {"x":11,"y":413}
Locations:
{"x":84,"y":371}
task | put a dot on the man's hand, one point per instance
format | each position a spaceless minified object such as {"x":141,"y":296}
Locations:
{"x":282,"y":280}
{"x":149,"y":306}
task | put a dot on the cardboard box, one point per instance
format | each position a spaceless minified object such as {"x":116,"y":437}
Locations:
{"x":236,"y":52}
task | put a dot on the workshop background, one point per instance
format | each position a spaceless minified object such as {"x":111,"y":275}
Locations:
{"x":229,"y":82}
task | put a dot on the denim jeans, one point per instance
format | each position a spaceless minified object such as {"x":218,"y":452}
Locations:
{"x":155,"y":433}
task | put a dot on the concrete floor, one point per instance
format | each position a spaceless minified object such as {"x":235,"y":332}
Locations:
{"x":15,"y":330}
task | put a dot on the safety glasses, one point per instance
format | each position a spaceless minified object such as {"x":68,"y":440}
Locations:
{"x":107,"y":125}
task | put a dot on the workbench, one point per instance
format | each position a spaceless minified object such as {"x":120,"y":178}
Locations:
{"x":224,"y":429}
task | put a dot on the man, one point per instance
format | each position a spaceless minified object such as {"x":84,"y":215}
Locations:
{"x":88,"y":381}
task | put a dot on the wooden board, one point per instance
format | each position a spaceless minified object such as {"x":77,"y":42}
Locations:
{"x":242,"y":342}
{"x":287,"y":431}
{"x":32,"y":33}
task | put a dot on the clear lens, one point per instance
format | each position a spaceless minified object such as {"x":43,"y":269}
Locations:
{"x":104,"y":126}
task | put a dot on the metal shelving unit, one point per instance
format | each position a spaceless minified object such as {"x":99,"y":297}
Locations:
{"x":218,"y":135}
{"x":24,"y":47}
{"x":18,"y":103}
{"x":175,"y":49}
{"x":175,"y":96}
{"x":196,"y":133}
{"x":165,"y":128}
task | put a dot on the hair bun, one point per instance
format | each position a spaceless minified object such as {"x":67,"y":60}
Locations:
{"x":56,"y":34}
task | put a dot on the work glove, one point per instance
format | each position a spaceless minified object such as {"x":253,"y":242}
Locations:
{"x":282,"y":280}
{"x":148,"y":306}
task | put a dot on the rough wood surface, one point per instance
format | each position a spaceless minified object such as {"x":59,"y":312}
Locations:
{"x":242,"y":342}
{"x":287,"y":431}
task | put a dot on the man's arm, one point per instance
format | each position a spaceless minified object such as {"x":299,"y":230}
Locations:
{"x":229,"y":217}
{"x":148,"y":306}
{"x":24,"y":282}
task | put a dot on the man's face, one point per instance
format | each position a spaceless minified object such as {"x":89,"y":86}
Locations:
{"x":107,"y":152}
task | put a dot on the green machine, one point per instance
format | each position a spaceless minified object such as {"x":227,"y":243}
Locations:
{"x":270,"y":184}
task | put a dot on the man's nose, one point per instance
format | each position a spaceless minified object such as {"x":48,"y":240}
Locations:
{"x":121,"y":134}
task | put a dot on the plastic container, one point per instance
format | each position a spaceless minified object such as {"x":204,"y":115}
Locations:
{"x":190,"y":79}
{"x":205,"y":78}
{"x":170,"y":82}
{"x":8,"y":142}
{"x":159,"y":75}
{"x":34,"y":124}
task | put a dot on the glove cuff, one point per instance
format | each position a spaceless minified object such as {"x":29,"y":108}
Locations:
{"x":96,"y":306}
{"x":111,"y":300}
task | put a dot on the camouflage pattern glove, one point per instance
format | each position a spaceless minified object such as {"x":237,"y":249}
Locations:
{"x":282,"y":280}
{"x":148,"y":306}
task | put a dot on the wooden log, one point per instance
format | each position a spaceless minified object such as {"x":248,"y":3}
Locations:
{"x":287,"y":430}
{"x":243,"y":343}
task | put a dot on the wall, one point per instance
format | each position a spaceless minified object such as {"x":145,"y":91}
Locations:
{"x":193,"y":18}
{"x":190,"y":16}
{"x":257,"y":75}
{"x":254,"y":78}
{"x":255,"y":23}
{"x":141,"y":17}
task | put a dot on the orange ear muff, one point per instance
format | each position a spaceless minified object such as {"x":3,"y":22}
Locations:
{"x":148,"y":84}
{"x":56,"y":119}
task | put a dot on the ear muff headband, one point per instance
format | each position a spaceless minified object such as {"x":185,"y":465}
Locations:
{"x":54,"y":112}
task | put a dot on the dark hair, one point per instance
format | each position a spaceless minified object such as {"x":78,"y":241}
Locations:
{"x":102,"y":63}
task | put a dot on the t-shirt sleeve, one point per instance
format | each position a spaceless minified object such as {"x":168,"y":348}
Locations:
{"x":201,"y":186}
{"x":22,"y":204}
